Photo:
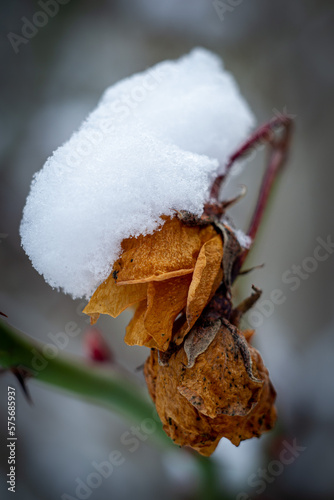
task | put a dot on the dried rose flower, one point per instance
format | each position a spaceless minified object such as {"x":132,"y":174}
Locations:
{"x":225,"y":393}
{"x":207,"y":382}
{"x":176,"y":268}
{"x":205,"y":378}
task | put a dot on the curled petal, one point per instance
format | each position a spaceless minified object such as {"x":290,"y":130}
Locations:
{"x":110,"y":298}
{"x":136,"y":333}
{"x":168,"y":253}
{"x":204,"y":281}
{"x":165,"y":300}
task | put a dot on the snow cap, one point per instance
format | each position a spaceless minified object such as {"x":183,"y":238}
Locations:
{"x":153,"y":145}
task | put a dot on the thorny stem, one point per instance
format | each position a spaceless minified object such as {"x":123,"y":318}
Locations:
{"x":277,"y":157}
{"x":276,"y":161}
{"x":106,"y":387}
{"x":262,"y":135}
{"x":100,"y":386}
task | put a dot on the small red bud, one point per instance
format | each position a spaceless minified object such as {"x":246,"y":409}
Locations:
{"x":96,"y":347}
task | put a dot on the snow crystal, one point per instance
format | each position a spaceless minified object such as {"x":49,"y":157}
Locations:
{"x":244,"y":240}
{"x":153,"y":145}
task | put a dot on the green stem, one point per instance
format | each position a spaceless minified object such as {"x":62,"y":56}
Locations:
{"x":209,"y":489}
{"x":100,"y":385}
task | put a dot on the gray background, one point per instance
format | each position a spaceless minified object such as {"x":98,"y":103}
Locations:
{"x":281,"y":54}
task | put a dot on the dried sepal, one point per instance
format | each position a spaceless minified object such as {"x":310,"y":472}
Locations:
{"x":199,"y":340}
{"x":232,"y":249}
{"x":245,"y":306}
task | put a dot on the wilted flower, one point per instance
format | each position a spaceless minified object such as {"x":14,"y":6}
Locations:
{"x":175,"y":269}
{"x":205,"y":378}
{"x":226,"y":392}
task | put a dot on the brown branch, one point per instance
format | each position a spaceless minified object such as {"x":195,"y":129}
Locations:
{"x":262,"y":135}
{"x":277,"y":158}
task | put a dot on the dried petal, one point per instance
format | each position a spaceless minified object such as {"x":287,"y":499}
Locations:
{"x":180,"y":419}
{"x":136,"y":333}
{"x":167,"y":253}
{"x":159,"y":268}
{"x":262,"y":417}
{"x":111,"y":298}
{"x":93,"y":318}
{"x":220,"y":379}
{"x":165,"y":300}
{"x":204,"y":278}
{"x":248,"y":334}
{"x":238,"y":412}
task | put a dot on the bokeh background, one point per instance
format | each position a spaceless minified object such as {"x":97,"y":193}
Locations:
{"x":281,"y":54}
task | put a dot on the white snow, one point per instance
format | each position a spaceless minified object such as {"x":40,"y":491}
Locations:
{"x":153,"y":145}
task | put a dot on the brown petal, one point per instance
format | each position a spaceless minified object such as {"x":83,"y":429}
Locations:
{"x":203,"y":284}
{"x":185,"y":326}
{"x":219,"y":382}
{"x":165,"y":300}
{"x":110,"y":298}
{"x":93,"y":318}
{"x":262,"y":417}
{"x":184,"y":421}
{"x":179,"y":418}
{"x":136,"y":333}
{"x":169,"y":252}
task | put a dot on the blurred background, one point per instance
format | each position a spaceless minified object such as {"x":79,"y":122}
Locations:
{"x":281,"y":54}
